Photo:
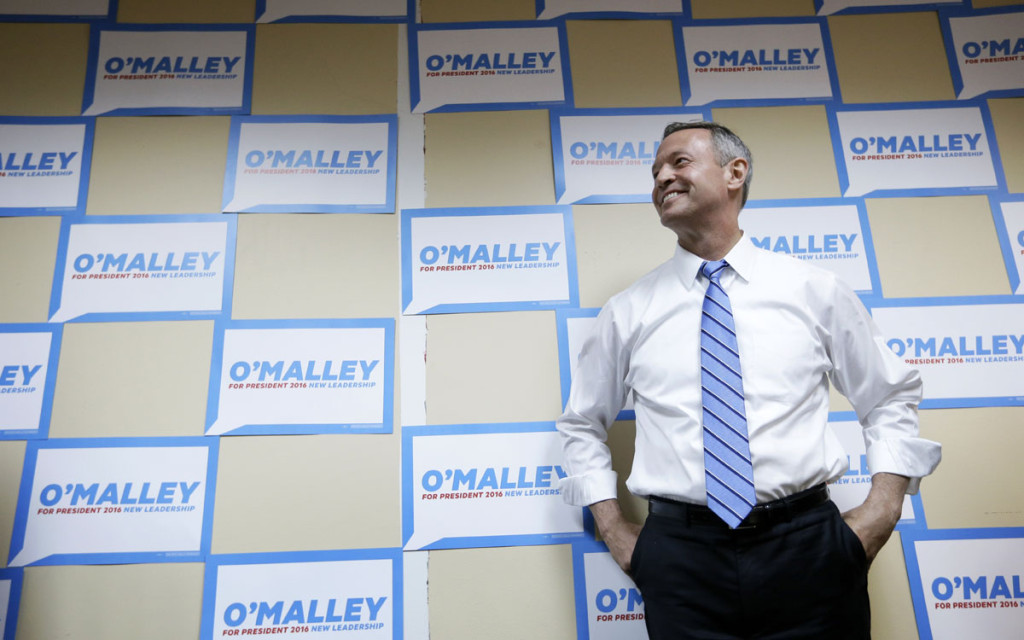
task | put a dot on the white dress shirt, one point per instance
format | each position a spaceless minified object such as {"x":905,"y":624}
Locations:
{"x":797,"y":326}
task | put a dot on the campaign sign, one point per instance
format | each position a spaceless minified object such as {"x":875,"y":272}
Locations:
{"x":828,"y":7}
{"x":304,"y":595}
{"x":969,"y":350}
{"x":1009,"y":219}
{"x":311,"y":164}
{"x":484,"y":486}
{"x":28,"y":373}
{"x":57,"y":10}
{"x":833,"y":235}
{"x":143,"y":268}
{"x":986,"y":51}
{"x":605,"y":155}
{"x":851,"y":489}
{"x":755,"y":61}
{"x":608,"y":604}
{"x":10,"y":600}
{"x":609,"y":8}
{"x":574,"y":327}
{"x":169,"y":70}
{"x":334,"y":10}
{"x":302,"y":376}
{"x":966,"y":583}
{"x":115,"y":501}
{"x":492,"y":66}
{"x":461,"y":260}
{"x":894,"y":150}
{"x":44,"y":165}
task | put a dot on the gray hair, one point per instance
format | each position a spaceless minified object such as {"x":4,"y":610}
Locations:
{"x":727,"y":145}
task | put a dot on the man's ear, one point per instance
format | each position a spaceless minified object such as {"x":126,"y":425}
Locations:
{"x":737,"y":172}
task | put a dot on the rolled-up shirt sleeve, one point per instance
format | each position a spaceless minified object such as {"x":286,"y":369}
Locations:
{"x":597,"y":395}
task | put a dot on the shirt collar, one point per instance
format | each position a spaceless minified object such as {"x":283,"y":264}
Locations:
{"x":742,"y":258}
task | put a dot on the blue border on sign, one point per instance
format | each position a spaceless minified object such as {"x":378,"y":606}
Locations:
{"x":683,"y":68}
{"x":56,"y":332}
{"x":216,"y":365}
{"x":516,"y":540}
{"x":865,"y":227}
{"x":558,"y":159}
{"x":408,"y":295}
{"x":414,"y":66}
{"x":129,"y":557}
{"x":562,"y":316}
{"x":909,"y":540}
{"x":410,"y":14}
{"x":1005,"y":241}
{"x":10,"y":616}
{"x":960,"y":402}
{"x":215,"y":561}
{"x":622,"y":14}
{"x":889,"y":8}
{"x":232,"y":166}
{"x":92,"y":69}
{"x":110,"y":16}
{"x":83,"y":173}
{"x":953,"y":58}
{"x":119,"y":316}
{"x":832,"y":112}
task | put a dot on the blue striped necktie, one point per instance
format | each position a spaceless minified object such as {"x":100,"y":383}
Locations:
{"x":728,"y":472}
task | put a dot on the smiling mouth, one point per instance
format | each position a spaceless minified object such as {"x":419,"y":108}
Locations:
{"x":672,"y":195}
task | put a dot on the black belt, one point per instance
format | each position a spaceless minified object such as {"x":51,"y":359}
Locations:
{"x":781,"y":510}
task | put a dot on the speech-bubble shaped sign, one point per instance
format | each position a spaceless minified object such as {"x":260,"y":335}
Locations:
{"x":746,"y":62}
{"x":315,"y":164}
{"x":968,"y":354}
{"x":608,"y":604}
{"x":147,"y":69}
{"x":302,"y":595}
{"x":966,"y":583}
{"x":10,"y":599}
{"x":143,"y":265}
{"x":484,"y":486}
{"x":114,"y":500}
{"x":556,"y":8}
{"x":487,"y":259}
{"x":1012,"y":214}
{"x":607,"y":157}
{"x":56,"y":8}
{"x":851,"y":489}
{"x":44,"y":166}
{"x":988,"y":52}
{"x":492,"y":67}
{"x":274,"y":10}
{"x":28,"y":372}
{"x":908,"y":149}
{"x":828,"y":7}
{"x":284,"y":377}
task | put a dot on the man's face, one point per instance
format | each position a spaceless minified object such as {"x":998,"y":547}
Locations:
{"x":688,"y":180}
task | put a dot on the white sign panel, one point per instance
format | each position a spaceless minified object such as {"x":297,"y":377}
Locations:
{"x":608,"y":604}
{"x":761,"y":61}
{"x":28,"y":373}
{"x":969,"y":354}
{"x":987,"y":52}
{"x":607,"y":8}
{"x":288,"y":377}
{"x":172,"y":70}
{"x":461,"y":67}
{"x":831,"y":236}
{"x":574,"y":327}
{"x":112,"y":501}
{"x":828,"y":7}
{"x":913,"y":151}
{"x":304,"y":595}
{"x":304,"y":10}
{"x":1010,"y":217}
{"x":149,"y":267}
{"x":484,"y":486}
{"x":311,"y":164}
{"x":487,"y":259}
{"x":967,"y":583}
{"x":56,"y":8}
{"x":44,"y":165}
{"x":606,"y":155}
{"x":10,"y":598}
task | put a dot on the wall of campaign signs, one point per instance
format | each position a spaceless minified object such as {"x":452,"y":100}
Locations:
{"x":294,"y":291}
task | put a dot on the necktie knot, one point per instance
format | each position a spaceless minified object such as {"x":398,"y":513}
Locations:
{"x":713,"y":270}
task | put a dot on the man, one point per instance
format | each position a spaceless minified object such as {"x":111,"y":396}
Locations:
{"x":709,"y":563}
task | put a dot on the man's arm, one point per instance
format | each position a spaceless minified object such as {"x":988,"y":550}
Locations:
{"x":618,"y":533}
{"x":874,"y":521}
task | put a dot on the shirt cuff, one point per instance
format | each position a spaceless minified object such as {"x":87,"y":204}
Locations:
{"x":913,"y":458}
{"x":585,"y":490}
